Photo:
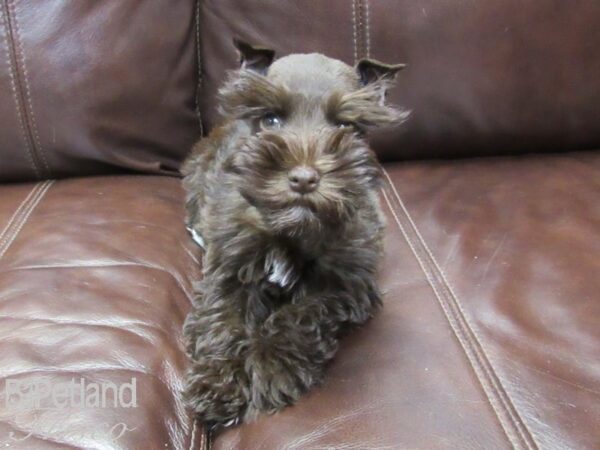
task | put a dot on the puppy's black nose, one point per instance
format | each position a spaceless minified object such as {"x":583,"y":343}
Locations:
{"x":303,"y":179}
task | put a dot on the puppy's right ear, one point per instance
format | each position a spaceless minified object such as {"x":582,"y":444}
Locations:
{"x":254,"y":57}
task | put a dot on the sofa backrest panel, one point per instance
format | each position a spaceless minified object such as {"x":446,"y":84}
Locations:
{"x":92,"y":86}
{"x":484,"y":77}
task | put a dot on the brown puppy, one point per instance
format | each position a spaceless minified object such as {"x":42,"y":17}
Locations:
{"x":284,"y":195}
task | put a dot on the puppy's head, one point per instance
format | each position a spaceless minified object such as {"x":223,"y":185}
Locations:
{"x":302,"y":159}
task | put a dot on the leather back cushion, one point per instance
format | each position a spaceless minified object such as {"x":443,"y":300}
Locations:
{"x":93,"y":86}
{"x":484,"y":77}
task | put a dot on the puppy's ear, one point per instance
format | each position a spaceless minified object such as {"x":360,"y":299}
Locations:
{"x":366,"y":107}
{"x":254,"y":57}
{"x":370,"y":70}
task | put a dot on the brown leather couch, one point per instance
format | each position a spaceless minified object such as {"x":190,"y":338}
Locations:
{"x":490,"y":333}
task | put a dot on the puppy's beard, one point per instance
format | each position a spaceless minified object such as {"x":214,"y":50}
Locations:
{"x":312,"y":218}
{"x":297,"y":221}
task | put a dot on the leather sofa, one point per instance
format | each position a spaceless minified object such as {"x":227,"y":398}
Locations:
{"x":490,"y":332}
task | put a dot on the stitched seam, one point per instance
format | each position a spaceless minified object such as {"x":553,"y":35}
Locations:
{"x":31,"y":115}
{"x":199,"y":68}
{"x":467,"y":336}
{"x":10,"y":238}
{"x":457,"y":333}
{"x":471,"y":330}
{"x":13,"y":83}
{"x":17,"y":212}
{"x":361,"y":44}
{"x":25,"y":216}
{"x":367,"y":30}
{"x":361,"y":30}
{"x":354,"y":32}
{"x":21,"y":210}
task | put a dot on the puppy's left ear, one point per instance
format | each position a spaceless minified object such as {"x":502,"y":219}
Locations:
{"x":370,"y":70}
{"x":254,"y":57}
{"x":366,"y":107}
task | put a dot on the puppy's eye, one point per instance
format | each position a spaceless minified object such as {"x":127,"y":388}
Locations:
{"x":345,"y":125}
{"x":271,"y":121}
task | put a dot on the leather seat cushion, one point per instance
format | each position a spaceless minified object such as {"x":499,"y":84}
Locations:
{"x":488,"y":335}
{"x":95,"y":282}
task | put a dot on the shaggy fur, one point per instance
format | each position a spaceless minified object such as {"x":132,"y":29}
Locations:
{"x":284,"y":273}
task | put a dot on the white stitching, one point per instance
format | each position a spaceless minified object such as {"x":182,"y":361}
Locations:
{"x":199,"y":63}
{"x":367,"y":30}
{"x":492,"y":402}
{"x":360,"y":31}
{"x":497,"y":384}
{"x":27,"y":90}
{"x":18,"y":105}
{"x":17,"y":212}
{"x":35,"y":201}
{"x":354,"y":32}
{"x":22,"y":210}
{"x":480,"y":359}
{"x":24,"y":217}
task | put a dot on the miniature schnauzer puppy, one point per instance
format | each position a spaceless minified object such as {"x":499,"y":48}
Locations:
{"x":284,"y":198}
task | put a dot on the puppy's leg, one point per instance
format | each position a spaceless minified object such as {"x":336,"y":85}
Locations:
{"x":287,"y":355}
{"x":217,"y":390}
{"x":216,"y":385}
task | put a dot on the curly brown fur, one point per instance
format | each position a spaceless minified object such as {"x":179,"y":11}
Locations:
{"x":284,"y":272}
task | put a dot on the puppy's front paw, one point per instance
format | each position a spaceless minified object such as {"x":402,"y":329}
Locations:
{"x":278,"y":376}
{"x":274,"y":385}
{"x":288,"y":355}
{"x":217,"y":391}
